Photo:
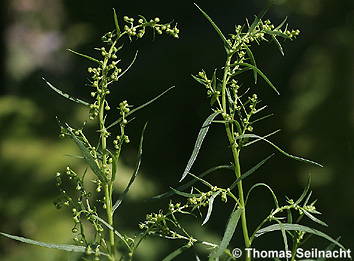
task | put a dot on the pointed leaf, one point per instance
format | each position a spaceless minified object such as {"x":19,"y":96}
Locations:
{"x":202,"y":133}
{"x":176,"y":253}
{"x":304,"y":193}
{"x":297,"y":227}
{"x":65,"y":95}
{"x":64,"y":247}
{"x":210,"y":207}
{"x":87,"y":156}
{"x":130,"y":65}
{"x":116,"y":23}
{"x":253,"y":61}
{"x":85,"y":56}
{"x":229,"y":232}
{"x":250,"y":171}
{"x":261,"y":74}
{"x":184,"y":194}
{"x":269,"y":188}
{"x":256,"y":140}
{"x":280,"y":150}
{"x":136,"y":171}
{"x":278,"y":44}
{"x":313,"y":218}
{"x":140,"y":107}
{"x":192,"y":182}
{"x":221,"y":35}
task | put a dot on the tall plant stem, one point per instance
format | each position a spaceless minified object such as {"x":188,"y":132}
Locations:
{"x":235,"y":153}
{"x":108,"y":186}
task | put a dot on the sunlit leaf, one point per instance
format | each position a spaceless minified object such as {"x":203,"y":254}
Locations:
{"x":269,"y":188}
{"x":279,"y":149}
{"x":64,"y":247}
{"x":116,"y":22}
{"x":140,"y":107}
{"x":65,"y":95}
{"x":202,"y":133}
{"x":217,"y":29}
{"x":297,"y":227}
{"x":85,"y":56}
{"x":210,"y":207}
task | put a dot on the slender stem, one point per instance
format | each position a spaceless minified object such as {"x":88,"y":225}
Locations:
{"x":235,"y":153}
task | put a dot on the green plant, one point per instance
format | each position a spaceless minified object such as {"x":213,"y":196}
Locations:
{"x":236,"y":108}
{"x":94,"y":233}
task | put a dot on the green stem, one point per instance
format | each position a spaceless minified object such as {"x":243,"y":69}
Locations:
{"x":235,"y":153}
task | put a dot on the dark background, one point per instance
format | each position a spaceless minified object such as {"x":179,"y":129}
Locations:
{"x":315,"y":112}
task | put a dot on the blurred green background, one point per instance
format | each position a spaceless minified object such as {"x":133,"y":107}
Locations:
{"x":315,"y":112}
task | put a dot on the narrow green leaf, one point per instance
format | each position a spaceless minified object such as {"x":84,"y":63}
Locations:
{"x":136,"y":171}
{"x":253,"y":61}
{"x":250,"y":171}
{"x":116,"y":22}
{"x":217,"y":29}
{"x":297,"y":227}
{"x":87,"y":156}
{"x":278,"y":44}
{"x":257,"y":19}
{"x":281,"y":24}
{"x":229,"y":232}
{"x":192,"y":182}
{"x":210,"y":207}
{"x":256,"y":140}
{"x":198,"y":80}
{"x":85,"y":56}
{"x":261,"y":74}
{"x":214,"y":81}
{"x":269,"y":188}
{"x":313,"y":218}
{"x":129,"y":66}
{"x":206,"y":183}
{"x":140,"y":107}
{"x":65,"y":95}
{"x":114,"y":166}
{"x":283,"y":234}
{"x":277,"y":33}
{"x":304,"y":193}
{"x":280,"y":150}
{"x":202,"y":133}
{"x":176,"y":253}
{"x":64,"y":247}
{"x":184,"y":194}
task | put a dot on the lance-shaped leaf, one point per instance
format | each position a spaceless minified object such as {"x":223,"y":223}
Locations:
{"x":85,"y":56}
{"x":217,"y":29}
{"x":229,"y":232}
{"x":193,"y":181}
{"x":297,"y":227}
{"x":279,"y":149}
{"x":278,"y":44}
{"x":253,"y":61}
{"x":250,"y":171}
{"x":140,"y":107}
{"x":88,"y":157}
{"x":304,"y":193}
{"x":129,"y":66}
{"x":184,"y":194}
{"x":64,"y":247}
{"x":135,"y":173}
{"x":313,"y":218}
{"x":263,"y":185}
{"x":116,"y":22}
{"x":202,"y":133}
{"x":176,"y":253}
{"x":254,"y":68}
{"x":210,"y":207}
{"x":65,"y":95}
